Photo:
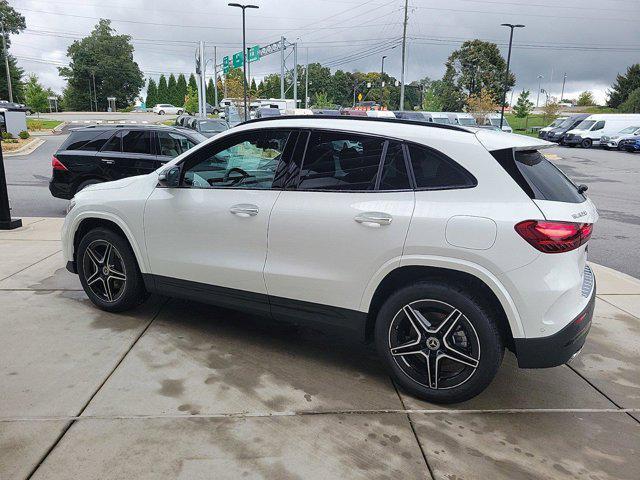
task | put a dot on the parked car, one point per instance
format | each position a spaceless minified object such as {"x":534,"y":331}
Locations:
{"x":264,"y":112}
{"x":613,"y":141}
{"x":542,"y":133}
{"x":380,"y":114}
{"x":207,"y":127}
{"x":411,"y":115}
{"x":461,"y":118}
{"x":438,"y":117}
{"x":630,"y":144}
{"x":558,"y":133}
{"x":331,"y":112}
{"x":167,"y":109}
{"x":444,"y":245}
{"x":16,"y":107}
{"x":493,"y":119}
{"x":103,"y":153}
{"x":212,"y":110}
{"x":592,"y":128}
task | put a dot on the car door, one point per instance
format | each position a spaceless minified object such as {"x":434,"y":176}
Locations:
{"x":207,"y":238}
{"x":129,"y":153}
{"x":345,"y":219}
{"x":170,"y":144}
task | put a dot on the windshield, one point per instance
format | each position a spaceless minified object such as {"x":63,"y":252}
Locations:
{"x":209,"y":127}
{"x":469,"y":121}
{"x":586,"y":125}
{"x":557,"y":122}
{"x":567,"y":122}
{"x":441,"y":120}
{"x":629,"y":130}
{"x":496,"y":122}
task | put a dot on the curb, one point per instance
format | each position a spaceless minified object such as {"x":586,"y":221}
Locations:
{"x":25,"y":149}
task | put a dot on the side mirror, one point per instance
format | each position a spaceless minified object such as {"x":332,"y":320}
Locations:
{"x":169,"y":177}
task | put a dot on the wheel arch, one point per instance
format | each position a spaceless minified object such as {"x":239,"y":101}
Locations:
{"x":84,"y":223}
{"x":471,"y":276}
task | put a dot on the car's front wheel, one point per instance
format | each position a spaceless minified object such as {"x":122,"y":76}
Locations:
{"x":586,"y":143}
{"x":108,"y":271}
{"x":440,"y":343}
{"x":161,"y":112}
{"x":179,"y":112}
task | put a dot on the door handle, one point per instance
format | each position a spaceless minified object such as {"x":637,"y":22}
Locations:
{"x":244,"y":210}
{"x":374,"y":219}
{"x":108,"y":160}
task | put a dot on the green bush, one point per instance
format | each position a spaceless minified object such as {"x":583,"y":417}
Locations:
{"x":6,"y":136}
{"x":23,"y":134}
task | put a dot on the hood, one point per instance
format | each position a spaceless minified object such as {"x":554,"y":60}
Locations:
{"x":123,"y":182}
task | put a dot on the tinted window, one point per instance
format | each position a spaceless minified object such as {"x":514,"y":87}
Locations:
{"x":114,"y":144}
{"x":98,"y":142}
{"x":77,"y":140}
{"x":537,"y":176}
{"x":137,"y":141}
{"x":173,"y":144}
{"x":394,"y":170}
{"x":598,"y":126}
{"x":433,"y":170}
{"x":341,"y":161}
{"x":250,"y":162}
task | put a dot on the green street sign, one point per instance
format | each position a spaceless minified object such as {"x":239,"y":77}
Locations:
{"x":254,"y":53}
{"x":225,"y":65}
{"x":237,"y":59}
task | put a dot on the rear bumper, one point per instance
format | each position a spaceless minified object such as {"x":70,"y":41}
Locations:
{"x":61,"y":189}
{"x":559,"y":348}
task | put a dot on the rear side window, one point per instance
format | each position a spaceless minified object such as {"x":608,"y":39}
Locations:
{"x":137,"y":141}
{"x":114,"y":144}
{"x":77,"y":140}
{"x":341,"y":161}
{"x":394,"y":170}
{"x":433,"y":170}
{"x":537,"y":176}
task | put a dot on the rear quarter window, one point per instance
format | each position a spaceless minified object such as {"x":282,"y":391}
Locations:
{"x":77,"y":140}
{"x":537,"y":176}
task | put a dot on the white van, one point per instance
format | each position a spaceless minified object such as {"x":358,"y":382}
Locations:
{"x":542,"y":133}
{"x":380,"y":114}
{"x":592,"y":128}
{"x":493,"y":119}
{"x":463,"y":119}
{"x":438,"y":117}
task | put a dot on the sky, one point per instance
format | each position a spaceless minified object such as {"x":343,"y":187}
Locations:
{"x":590,"y":41}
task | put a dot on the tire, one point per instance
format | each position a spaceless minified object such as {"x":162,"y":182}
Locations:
{"x":108,"y":271}
{"x":180,"y":112}
{"x":586,"y":143}
{"x":471,"y":336}
{"x":161,"y":112}
{"x":86,"y":183}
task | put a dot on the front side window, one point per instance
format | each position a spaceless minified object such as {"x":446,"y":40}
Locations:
{"x":341,"y":161}
{"x":598,"y":126}
{"x":249,"y":162}
{"x":433,"y":170}
{"x":173,"y":144}
{"x":586,"y":125}
{"x":137,"y":141}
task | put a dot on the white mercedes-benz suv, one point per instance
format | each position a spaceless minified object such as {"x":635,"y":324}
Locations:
{"x":442,"y":244}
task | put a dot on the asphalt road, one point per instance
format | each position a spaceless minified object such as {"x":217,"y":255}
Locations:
{"x":613,"y":179}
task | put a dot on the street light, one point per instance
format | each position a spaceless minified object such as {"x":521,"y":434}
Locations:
{"x":564,"y":80}
{"x":244,"y":53}
{"x":540,"y":77}
{"x":506,"y":75}
{"x":382,"y":82}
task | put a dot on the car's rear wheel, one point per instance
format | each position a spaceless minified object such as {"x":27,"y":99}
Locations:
{"x":586,"y":143}
{"x":179,"y":112}
{"x":440,"y":343}
{"x":161,"y":112}
{"x":108,"y":271}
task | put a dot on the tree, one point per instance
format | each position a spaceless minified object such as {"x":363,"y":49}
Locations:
{"x":476,"y":65}
{"x":632,"y":103}
{"x":13,"y":23}
{"x":36,"y":96}
{"x":172,"y":92}
{"x":623,"y":86}
{"x":192,"y":82}
{"x":450,"y":94}
{"x":479,"y":105}
{"x":181,"y":90}
{"x":211,"y":96}
{"x":106,"y":60}
{"x":322,"y":101}
{"x":269,"y":87}
{"x":551,"y":110}
{"x":152,"y":94}
{"x":253,"y":89}
{"x":191,"y":100}
{"x":523,"y":106}
{"x":586,"y":99}
{"x":163,"y":91}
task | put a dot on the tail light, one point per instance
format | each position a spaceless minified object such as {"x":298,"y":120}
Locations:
{"x":57,"y":164}
{"x":554,"y":237}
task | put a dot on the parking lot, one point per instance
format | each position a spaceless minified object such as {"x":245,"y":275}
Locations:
{"x":157,"y":393}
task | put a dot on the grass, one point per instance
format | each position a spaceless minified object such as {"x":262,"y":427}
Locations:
{"x":522,"y":125}
{"x":41,"y":124}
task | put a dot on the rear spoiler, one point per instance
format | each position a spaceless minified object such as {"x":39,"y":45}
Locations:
{"x":493,"y":141}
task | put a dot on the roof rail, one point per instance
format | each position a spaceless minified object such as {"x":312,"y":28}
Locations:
{"x":361,"y":119}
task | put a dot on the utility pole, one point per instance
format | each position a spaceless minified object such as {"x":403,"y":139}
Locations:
{"x":6,"y":63}
{"x":244,"y":53}
{"x":95,"y":94}
{"x":382,"y":82}
{"x":540,"y":77}
{"x":295,"y":74}
{"x":215,"y":76}
{"x":506,"y":75}
{"x":249,"y":73}
{"x":282,"y":40}
{"x":404,"y":53}
{"x":90,"y":97}
{"x":563,"y":82}
{"x":202,"y":89}
{"x":306,"y":82}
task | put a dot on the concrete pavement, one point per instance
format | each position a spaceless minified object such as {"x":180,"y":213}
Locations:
{"x":177,"y":389}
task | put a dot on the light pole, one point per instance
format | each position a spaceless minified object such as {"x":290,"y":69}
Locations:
{"x":244,"y":53}
{"x":382,"y":82}
{"x":6,"y":63}
{"x":540,"y":77}
{"x":506,"y":75}
{"x":563,"y":82}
